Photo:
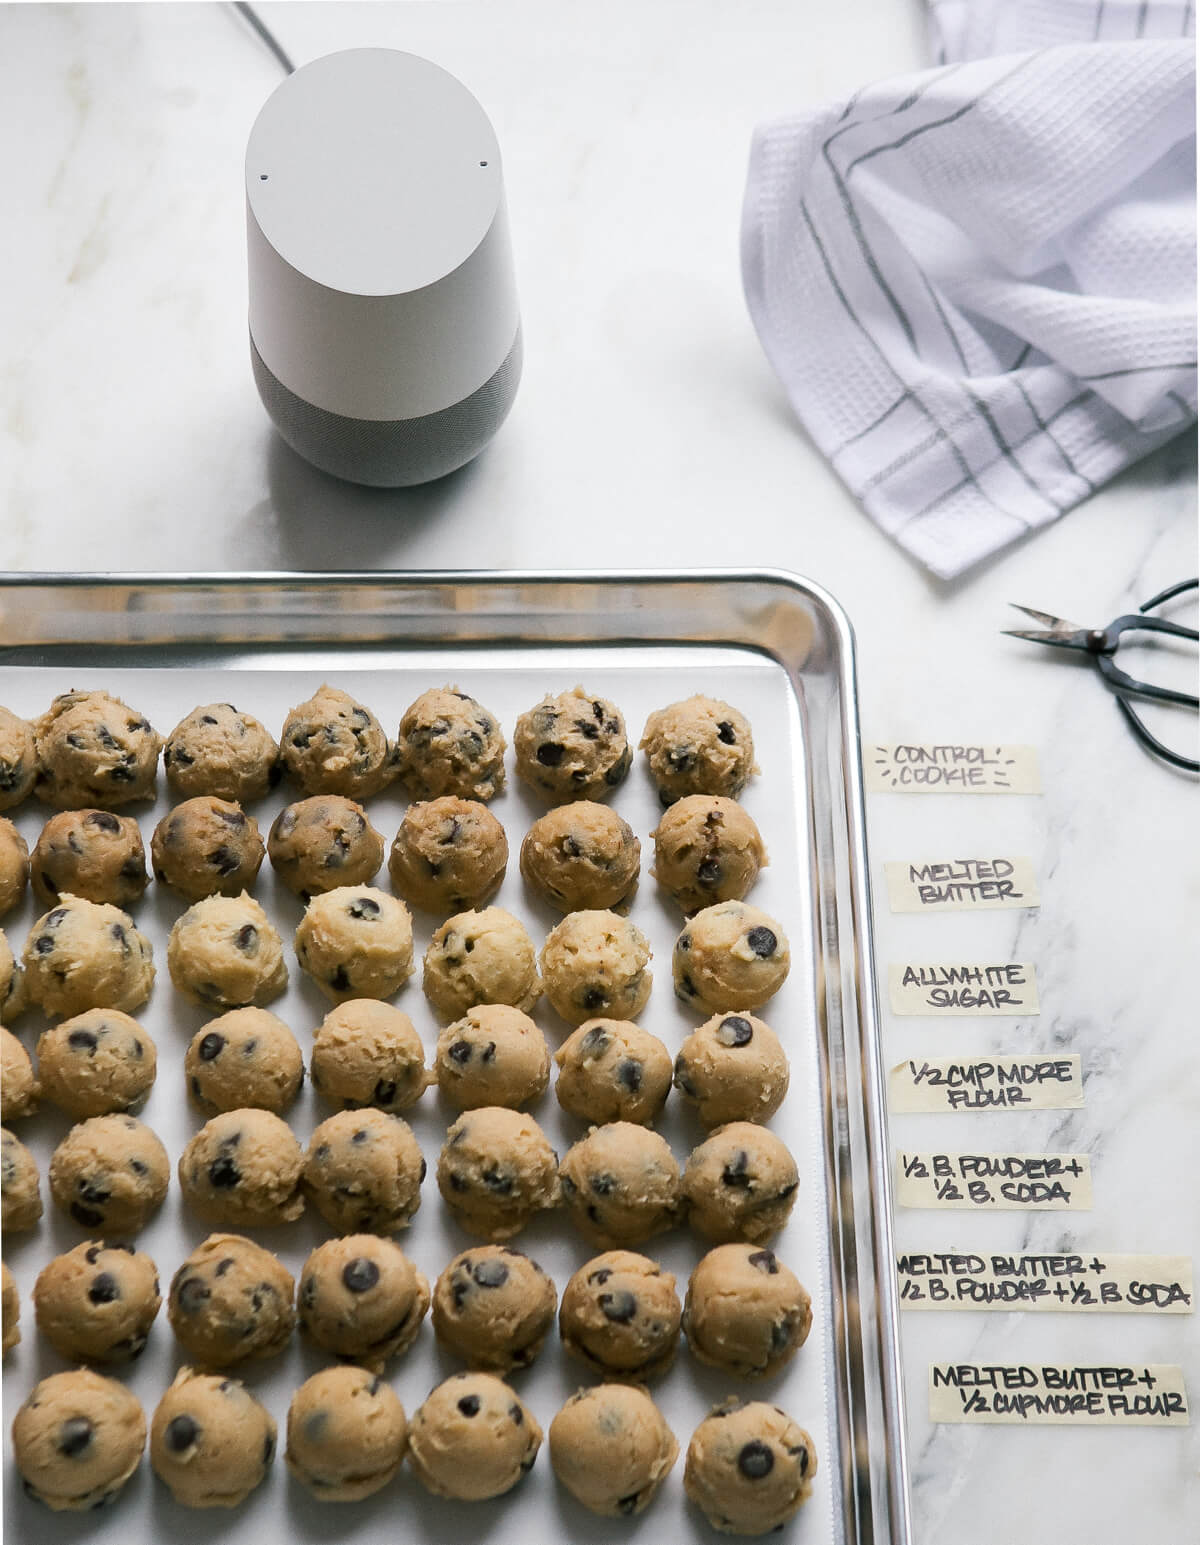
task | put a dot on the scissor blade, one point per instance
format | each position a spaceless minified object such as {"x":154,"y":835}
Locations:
{"x":1058,"y":624}
{"x":1058,"y":640}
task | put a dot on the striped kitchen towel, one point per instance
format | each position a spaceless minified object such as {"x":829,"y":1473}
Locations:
{"x":978,"y":283}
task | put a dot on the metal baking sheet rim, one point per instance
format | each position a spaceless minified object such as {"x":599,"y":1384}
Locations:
{"x":787,"y":617}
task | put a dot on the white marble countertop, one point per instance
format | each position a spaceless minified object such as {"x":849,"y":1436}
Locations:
{"x":649,"y":431}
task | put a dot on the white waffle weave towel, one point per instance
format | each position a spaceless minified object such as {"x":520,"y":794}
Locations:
{"x":978,"y":283}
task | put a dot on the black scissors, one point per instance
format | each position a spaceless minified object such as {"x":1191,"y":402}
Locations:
{"x":1101,"y":644}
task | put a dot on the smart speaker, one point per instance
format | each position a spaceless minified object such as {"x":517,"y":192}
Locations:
{"x":384,"y":332}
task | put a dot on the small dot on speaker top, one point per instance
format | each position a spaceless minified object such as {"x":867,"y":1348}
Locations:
{"x":262,"y":176}
{"x":483,"y":163}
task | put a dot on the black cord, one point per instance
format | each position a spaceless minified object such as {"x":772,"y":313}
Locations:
{"x":264,"y":32}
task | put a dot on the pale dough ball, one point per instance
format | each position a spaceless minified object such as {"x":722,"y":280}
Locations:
{"x":611,"y":1070}
{"x":14,"y":865}
{"x":732,"y":1069}
{"x":93,"y":749}
{"x":698,"y":746}
{"x":740,"y":1184}
{"x":356,"y":942}
{"x":231,"y":1300}
{"x":620,"y":1315}
{"x":364,"y":1171}
{"x":77,"y":1440}
{"x":84,"y":955}
{"x":480,"y":957}
{"x":449,"y":744}
{"x":207,"y":847}
{"x":110,"y":1173}
{"x":361,"y":1298}
{"x":243,"y":1169}
{"x":472,"y":1439}
{"x":247,"y":1057}
{"x":320,"y":843}
{"x":20,"y":1091}
{"x":746,"y":1312}
{"x":211,"y":1441}
{"x":749,"y":1467}
{"x":89,"y":853}
{"x":494,"y":1055}
{"x":730,"y":957}
{"x":593,"y":965}
{"x":220,"y":751}
{"x":333,"y":745}
{"x":10,"y":1310}
{"x":582,"y":857}
{"x":368,"y":1053}
{"x":97,"y":1063}
{"x":449,"y":855}
{"x":18,"y":759}
{"x":96,"y":1304}
{"x":224,"y":952}
{"x":19,"y":1193}
{"x":572,"y":747}
{"x":707,"y":849}
{"x":493,"y":1307}
{"x":612,"y":1449}
{"x":621,"y":1185}
{"x":346,"y":1434}
{"x":12,"y":983}
{"x":495,"y":1171}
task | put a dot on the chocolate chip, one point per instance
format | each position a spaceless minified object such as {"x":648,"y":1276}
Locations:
{"x":360,"y":1275}
{"x":681,"y":759}
{"x":460,"y":1052}
{"x":224,"y":860}
{"x":735,"y":1031}
{"x":587,"y":729}
{"x":104,"y":1289}
{"x":708,"y":872}
{"x":603,"y":1185}
{"x":384,"y":1091}
{"x":490,"y":1274}
{"x":737,"y":1171}
{"x":360,"y":1135}
{"x":763,"y":942}
{"x":594,"y":998}
{"x":764,"y":1261}
{"x":725,"y":733}
{"x":363,"y":908}
{"x":43,"y":944}
{"x":469,"y":1405}
{"x":339,"y":981}
{"x":620,"y":1307}
{"x":516,"y":1413}
{"x":223,"y":1265}
{"x":82,"y":1040}
{"x":684,"y":942}
{"x":92,"y":1254}
{"x":102,"y":819}
{"x":181,"y":1434}
{"x":211,"y":1046}
{"x":755,"y":1460}
{"x":629,"y":1074}
{"x":781,"y":1335}
{"x":315,"y":1425}
{"x":550,"y":753}
{"x":223,"y":1173}
{"x":499,"y":1181}
{"x":74,"y":1436}
{"x":88,"y":1216}
{"x":246,"y":939}
{"x":594,"y":1042}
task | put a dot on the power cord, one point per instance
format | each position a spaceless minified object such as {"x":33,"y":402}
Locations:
{"x":265,"y":33}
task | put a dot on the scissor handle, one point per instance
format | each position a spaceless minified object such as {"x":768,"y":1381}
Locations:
{"x":1136,"y":622}
{"x":1151,"y":742}
{"x":1120,"y":681}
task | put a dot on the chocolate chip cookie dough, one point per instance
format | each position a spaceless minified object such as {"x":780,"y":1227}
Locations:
{"x":77,"y":1440}
{"x":493,"y":1307}
{"x":20,"y":1196}
{"x":572,"y":746}
{"x":730,"y":957}
{"x":207,"y":847}
{"x":363,"y":1172}
{"x":449,"y":744}
{"x":93,"y":749}
{"x":110,"y":1173}
{"x":18,"y":759}
{"x":746,"y":1312}
{"x":621,"y":1185}
{"x":698,"y":746}
{"x":96,"y":1064}
{"x":749,"y":1467}
{"x":368,"y":1053}
{"x":10,"y":1310}
{"x":582,"y":856}
{"x":20,"y":1092}
{"x":707,"y":849}
{"x":449,"y":855}
{"x":12,"y":983}
{"x":611,"y":1070}
{"x":320,"y":843}
{"x":346,"y":1434}
{"x":494,"y":1055}
{"x":740,"y":1184}
{"x":243,"y":1169}
{"x":732,"y":1069}
{"x":96,"y":1303}
{"x":612,"y":1449}
{"x":496,"y":1170}
{"x":620,"y":1315}
{"x":211,"y":1442}
{"x":247,"y":1057}
{"x":231,"y":1300}
{"x":220,"y":751}
{"x":356,"y":942}
{"x":224,"y":952}
{"x":14,"y":866}
{"x":480,"y":957}
{"x":594,"y":964}
{"x":361,"y":1298}
{"x":90,"y":853}
{"x":472,"y":1439}
{"x":333,"y":745}
{"x":84,"y":955}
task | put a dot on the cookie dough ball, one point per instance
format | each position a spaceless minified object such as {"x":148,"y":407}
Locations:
{"x":10,"y":1310}
{"x":207,"y":847}
{"x":219,"y":751}
{"x":480,"y":957}
{"x":346,"y":1434}
{"x":749,"y":1467}
{"x":707,"y":849}
{"x":19,"y":1194}
{"x":77,"y":1440}
{"x":14,"y":865}
{"x":224,"y":953}
{"x":320,"y":843}
{"x":730,"y":957}
{"x":18,"y":759}
{"x":493,"y":1307}
{"x":494,"y":1055}
{"x":572,"y":747}
{"x":449,"y":744}
{"x":621,"y":1185}
{"x":472,"y":1439}
{"x":699,"y":746}
{"x":594,"y":964}
{"x":231,"y":1300}
{"x":89,"y":853}
{"x":85,"y":955}
{"x":356,"y":942}
{"x":12,"y":983}
{"x":449,"y":855}
{"x":211,"y":1442}
{"x":582,"y":857}
{"x":732,"y":1069}
{"x":620,"y":1315}
{"x":333,"y":745}
{"x":96,"y":1304}
{"x":368,"y":1053}
{"x":93,"y":749}
{"x":110,"y":1173}
{"x":247,"y":1057}
{"x":362,"y":1298}
{"x":610,"y":1070}
{"x":612,"y":1449}
{"x":97,"y":1063}
{"x":243,"y":1169}
{"x":740,"y":1184}
{"x":19,"y":1088}
{"x":495,"y":1171}
{"x":745,"y":1311}
{"x":364,"y":1171}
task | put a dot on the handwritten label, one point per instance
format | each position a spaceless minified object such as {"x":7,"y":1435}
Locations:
{"x":961,"y":884}
{"x":963,"y":989}
{"x":1143,"y":1395}
{"x":951,"y":770}
{"x":1106,"y":1284}
{"x":991,"y":1182}
{"x":1030,"y":1082}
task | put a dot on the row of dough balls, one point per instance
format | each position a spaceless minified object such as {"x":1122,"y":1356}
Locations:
{"x":79,"y":1437}
{"x":449,"y":855}
{"x":89,"y":748}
